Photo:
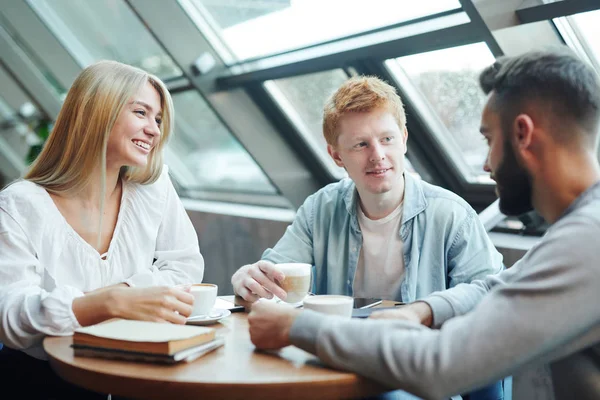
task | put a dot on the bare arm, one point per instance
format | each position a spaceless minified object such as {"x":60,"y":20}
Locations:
{"x":159,"y":304}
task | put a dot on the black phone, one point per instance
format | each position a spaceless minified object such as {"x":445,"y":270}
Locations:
{"x":366,"y":302}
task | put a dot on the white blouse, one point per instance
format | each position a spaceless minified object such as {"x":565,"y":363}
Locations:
{"x":45,"y":264}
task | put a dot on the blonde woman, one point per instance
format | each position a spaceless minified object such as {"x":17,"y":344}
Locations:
{"x":95,"y":230}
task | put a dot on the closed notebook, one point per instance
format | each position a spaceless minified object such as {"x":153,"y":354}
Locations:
{"x":142,"y":336}
{"x":186,"y":355}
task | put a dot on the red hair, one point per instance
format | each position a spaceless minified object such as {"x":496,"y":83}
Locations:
{"x":360,"y":94}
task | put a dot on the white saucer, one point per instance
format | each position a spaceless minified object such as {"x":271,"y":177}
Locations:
{"x":215,"y":315}
{"x":295,"y":305}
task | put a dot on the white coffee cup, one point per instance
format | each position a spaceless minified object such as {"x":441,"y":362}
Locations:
{"x":297,"y":280}
{"x":332,"y":304}
{"x":205,"y":295}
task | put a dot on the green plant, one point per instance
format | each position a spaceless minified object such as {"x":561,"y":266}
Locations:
{"x":42,"y":131}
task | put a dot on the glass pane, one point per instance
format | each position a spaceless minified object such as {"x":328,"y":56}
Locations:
{"x":32,"y":56}
{"x":584,"y":38}
{"x":19,"y":120}
{"x":204,"y":155}
{"x":302,"y":99}
{"x":248,"y":27}
{"x":19,"y":142}
{"x":432,"y":81}
{"x":518,"y":39}
{"x":6,"y":112}
{"x":588,"y":25}
{"x":13,"y":131}
{"x":104,"y":30}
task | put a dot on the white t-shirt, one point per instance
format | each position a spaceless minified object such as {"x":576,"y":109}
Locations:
{"x":45,"y":264}
{"x":380,"y":268}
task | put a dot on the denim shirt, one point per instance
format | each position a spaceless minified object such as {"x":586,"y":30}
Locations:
{"x":444,"y":242}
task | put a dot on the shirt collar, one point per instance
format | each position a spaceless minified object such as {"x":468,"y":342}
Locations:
{"x":414,"y":198}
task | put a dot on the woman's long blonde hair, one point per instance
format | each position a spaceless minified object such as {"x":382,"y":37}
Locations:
{"x":77,"y":144}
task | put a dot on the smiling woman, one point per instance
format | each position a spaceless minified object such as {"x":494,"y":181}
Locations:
{"x":136,"y":131}
{"x":95,"y":230}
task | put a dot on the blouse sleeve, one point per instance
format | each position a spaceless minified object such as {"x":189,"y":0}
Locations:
{"x":177,"y":253}
{"x":28,"y":312}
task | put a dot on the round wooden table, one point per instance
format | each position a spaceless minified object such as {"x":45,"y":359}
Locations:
{"x":235,"y":371}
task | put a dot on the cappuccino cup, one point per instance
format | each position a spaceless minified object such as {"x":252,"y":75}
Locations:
{"x":332,"y":304}
{"x":205,"y":295}
{"x":297,"y":281}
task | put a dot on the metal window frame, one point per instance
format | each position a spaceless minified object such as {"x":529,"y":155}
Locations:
{"x":347,"y":38}
{"x":28,"y":76}
{"x":29,"y":80}
{"x":237,"y":110}
{"x":379,"y":46}
{"x":570,"y":33}
{"x":40,"y":39}
{"x":247,"y":109}
{"x":369,"y":60}
{"x":548,"y":11}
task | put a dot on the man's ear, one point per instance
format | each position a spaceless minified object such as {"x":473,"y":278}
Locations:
{"x":523,"y":137}
{"x":523,"y":131}
{"x":335,"y":155}
{"x":404,"y":139}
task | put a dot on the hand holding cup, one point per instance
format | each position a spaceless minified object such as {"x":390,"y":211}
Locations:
{"x":297,"y":281}
{"x":258,"y":280}
{"x":205,"y":295}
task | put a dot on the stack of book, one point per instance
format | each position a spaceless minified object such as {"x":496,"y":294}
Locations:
{"x":145,"y":341}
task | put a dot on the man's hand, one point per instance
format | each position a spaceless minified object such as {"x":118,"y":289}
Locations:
{"x":159,"y":304}
{"x":270,"y":324}
{"x":418,"y":311}
{"x":253,"y":281}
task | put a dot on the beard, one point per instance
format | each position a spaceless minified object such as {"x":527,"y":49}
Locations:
{"x":514,"y":185}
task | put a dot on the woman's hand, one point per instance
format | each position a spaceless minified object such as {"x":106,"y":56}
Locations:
{"x":158,"y":304}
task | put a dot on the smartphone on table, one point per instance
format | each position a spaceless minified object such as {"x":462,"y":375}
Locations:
{"x":228,"y":305}
{"x":366,"y":302}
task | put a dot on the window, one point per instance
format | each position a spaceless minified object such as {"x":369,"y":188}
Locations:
{"x":431,"y":81}
{"x":97,"y":30}
{"x":519,"y":39}
{"x":302,"y":99}
{"x":581,"y":32}
{"x":586,"y":28}
{"x":203,"y":155}
{"x":18,"y":119}
{"x":32,"y":56}
{"x":14,"y":134}
{"x":247,"y":27}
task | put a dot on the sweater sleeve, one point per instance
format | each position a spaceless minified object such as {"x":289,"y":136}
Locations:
{"x":27,"y":312}
{"x":462,"y":298}
{"x":177,"y":253}
{"x":545,"y":313}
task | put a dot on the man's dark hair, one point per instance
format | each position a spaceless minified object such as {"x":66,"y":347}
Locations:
{"x":555,"y":78}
